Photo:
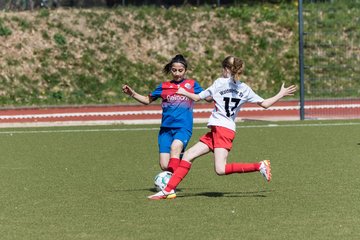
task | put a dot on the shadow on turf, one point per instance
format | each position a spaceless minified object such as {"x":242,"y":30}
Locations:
{"x":140,"y":190}
{"x":226,"y":194}
{"x":258,"y":194}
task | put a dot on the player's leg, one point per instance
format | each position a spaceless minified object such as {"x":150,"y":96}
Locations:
{"x":176,"y":148}
{"x":175,"y":151}
{"x":224,"y":168}
{"x":171,"y":144}
{"x":202,"y":147}
{"x":181,"y":138}
{"x":223,"y":139}
{"x":239,"y":167}
{"x":164,"y":159}
{"x":180,"y":173}
{"x":190,"y":155}
{"x":220,"y":157}
{"x":164,"y":143}
{"x":196,"y":151}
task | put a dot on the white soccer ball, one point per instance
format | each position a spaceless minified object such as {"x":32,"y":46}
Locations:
{"x":161,"y":180}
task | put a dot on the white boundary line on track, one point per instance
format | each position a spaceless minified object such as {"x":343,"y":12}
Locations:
{"x":157,"y":128}
{"x":149,"y":112}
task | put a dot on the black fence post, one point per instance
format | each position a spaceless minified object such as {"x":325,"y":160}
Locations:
{"x":301,"y":59}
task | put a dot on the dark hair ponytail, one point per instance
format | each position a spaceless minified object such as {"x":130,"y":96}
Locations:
{"x":177,"y":59}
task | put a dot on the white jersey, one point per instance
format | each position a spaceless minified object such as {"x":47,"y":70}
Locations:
{"x":229,"y":96}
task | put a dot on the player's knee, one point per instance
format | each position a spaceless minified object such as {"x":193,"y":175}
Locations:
{"x":176,"y":149}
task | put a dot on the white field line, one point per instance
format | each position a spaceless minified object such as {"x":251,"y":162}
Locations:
{"x":150,"y":112}
{"x":11,"y":133}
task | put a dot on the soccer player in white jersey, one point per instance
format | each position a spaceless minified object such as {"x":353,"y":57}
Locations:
{"x":229,"y":94}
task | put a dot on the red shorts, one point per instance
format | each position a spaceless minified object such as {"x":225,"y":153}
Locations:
{"x":219,"y":137}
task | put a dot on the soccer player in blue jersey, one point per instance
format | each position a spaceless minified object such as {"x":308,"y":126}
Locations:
{"x":177,"y":112}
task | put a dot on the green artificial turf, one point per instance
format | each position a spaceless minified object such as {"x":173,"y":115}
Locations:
{"x":92,"y":183}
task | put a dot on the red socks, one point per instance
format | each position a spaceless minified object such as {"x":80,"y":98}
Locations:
{"x":241,"y":167}
{"x":178,"y":176}
{"x":184,"y":167}
{"x":173,"y":164}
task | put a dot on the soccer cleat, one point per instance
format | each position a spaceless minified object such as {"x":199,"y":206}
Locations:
{"x":265,"y":169}
{"x":163,"y":195}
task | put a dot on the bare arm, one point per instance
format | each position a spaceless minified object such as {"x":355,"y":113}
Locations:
{"x":284,"y":91}
{"x":192,"y":96}
{"x":209,"y":99}
{"x":138,"y":97}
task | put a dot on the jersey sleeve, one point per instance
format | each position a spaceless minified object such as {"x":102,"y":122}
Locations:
{"x":210,"y":91}
{"x":197,"y":88}
{"x":253,"y":97}
{"x":157,"y":92}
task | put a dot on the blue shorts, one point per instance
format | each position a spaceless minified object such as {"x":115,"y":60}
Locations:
{"x":168,"y":135}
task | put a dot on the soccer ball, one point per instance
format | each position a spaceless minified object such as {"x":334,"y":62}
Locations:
{"x":161,"y":180}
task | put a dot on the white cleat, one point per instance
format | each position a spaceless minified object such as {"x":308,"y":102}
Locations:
{"x":163,"y":195}
{"x":265,"y":169}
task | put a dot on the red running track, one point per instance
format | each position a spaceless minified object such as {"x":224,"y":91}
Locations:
{"x":141,"y":114}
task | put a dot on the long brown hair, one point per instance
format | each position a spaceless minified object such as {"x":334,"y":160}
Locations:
{"x":235,"y":65}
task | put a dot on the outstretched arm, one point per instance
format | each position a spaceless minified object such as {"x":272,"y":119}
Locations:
{"x":192,"y":96}
{"x":140,"y":98}
{"x":284,"y":91}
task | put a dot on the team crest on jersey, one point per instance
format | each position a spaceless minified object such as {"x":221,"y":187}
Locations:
{"x":188,"y":85}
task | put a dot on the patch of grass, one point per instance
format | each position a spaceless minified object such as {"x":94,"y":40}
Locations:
{"x":88,"y":85}
{"x":24,"y":24}
{"x":12,"y":62}
{"x":4,"y":30}
{"x":262,"y":43}
{"x":124,"y":26}
{"x":95,"y":20}
{"x":88,"y":60}
{"x":19,"y":46}
{"x":220,"y":32}
{"x":52,"y":80}
{"x":68,"y":30}
{"x":59,"y":39}
{"x":240,"y":13}
{"x":65,"y":54}
{"x":44,"y":13}
{"x":44,"y":56}
{"x":45,"y":35}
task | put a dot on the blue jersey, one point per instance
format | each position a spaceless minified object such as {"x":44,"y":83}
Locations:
{"x":177,"y":109}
